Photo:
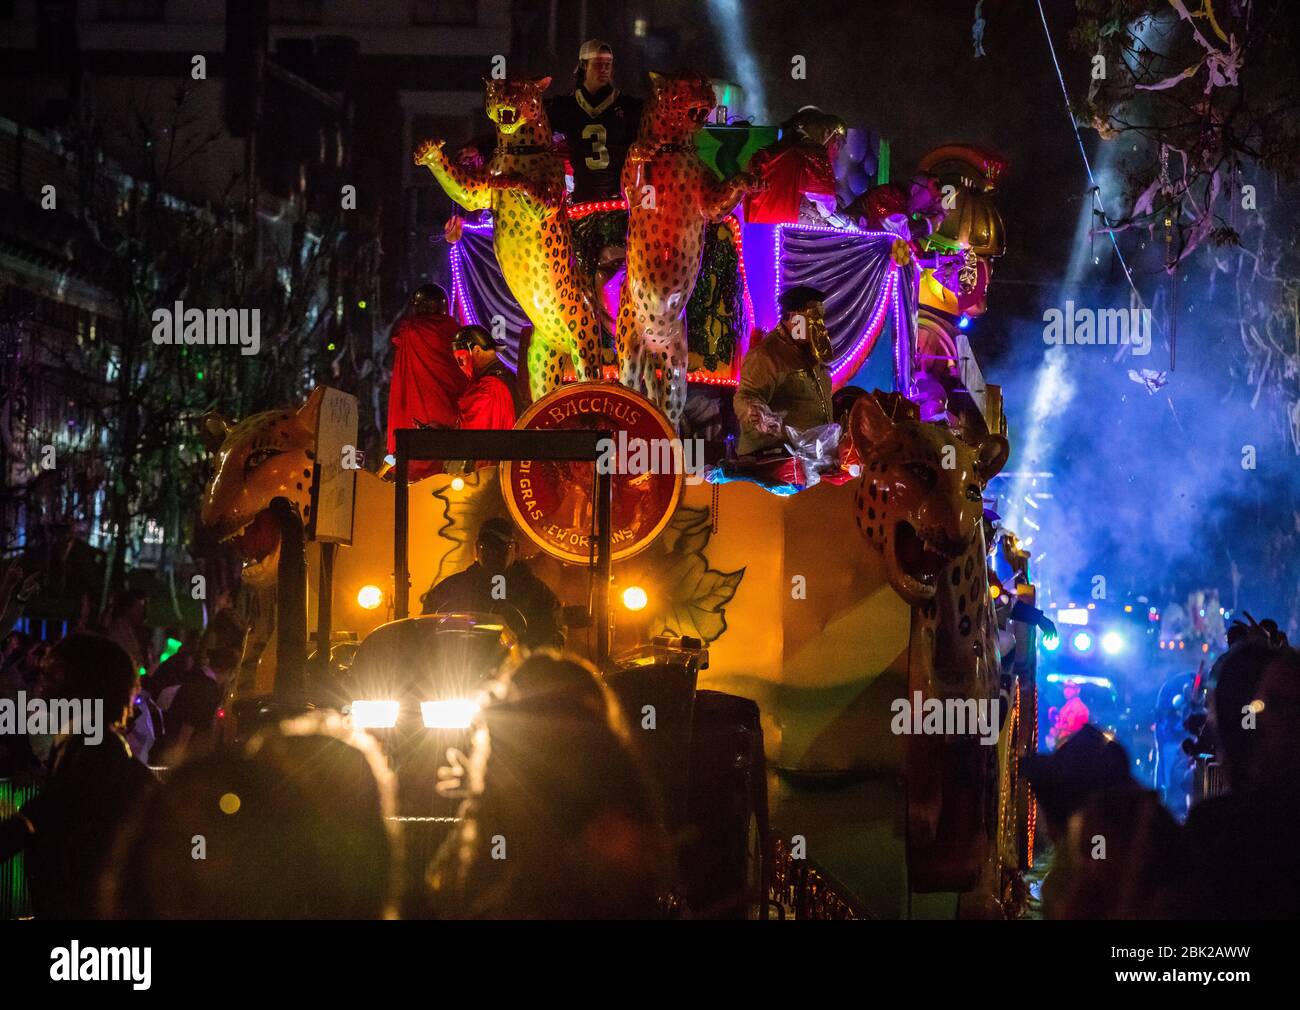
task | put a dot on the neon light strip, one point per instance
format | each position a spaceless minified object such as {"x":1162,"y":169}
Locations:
{"x":902,"y":341}
{"x":777,"y":271}
{"x":581,"y":210}
{"x":849,"y":363}
{"x":709,"y":379}
{"x":847,"y":230}
{"x":468,"y":315}
{"x":610,"y":374}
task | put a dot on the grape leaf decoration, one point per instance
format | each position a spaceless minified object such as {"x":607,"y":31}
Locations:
{"x":696,"y":596}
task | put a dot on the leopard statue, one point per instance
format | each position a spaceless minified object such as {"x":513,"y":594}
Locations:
{"x":523,"y":185}
{"x":267,"y":456}
{"x":920,"y":505}
{"x":671,"y":196}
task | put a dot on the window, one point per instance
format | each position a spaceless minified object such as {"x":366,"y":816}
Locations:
{"x":131,"y":10}
{"x":296,"y":12}
{"x":445,"y":12}
{"x":455,"y":130}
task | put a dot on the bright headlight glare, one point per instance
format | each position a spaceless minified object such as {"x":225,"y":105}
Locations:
{"x":375,"y":714}
{"x":456,"y":713}
{"x":1112,"y":642}
{"x":1051,"y":642}
{"x":1082,"y":642}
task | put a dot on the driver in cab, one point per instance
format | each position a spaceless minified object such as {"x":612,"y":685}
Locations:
{"x":498,"y":583}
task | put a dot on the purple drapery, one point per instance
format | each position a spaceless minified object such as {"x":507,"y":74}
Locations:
{"x":863,"y":285}
{"x":855,"y":268}
{"x":481,"y":291}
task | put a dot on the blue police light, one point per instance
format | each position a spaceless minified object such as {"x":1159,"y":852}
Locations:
{"x":964,"y":322}
{"x":1112,"y":642}
{"x":1082,"y":642}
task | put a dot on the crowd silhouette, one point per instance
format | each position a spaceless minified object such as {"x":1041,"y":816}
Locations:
{"x":559,"y":814}
{"x":1119,"y":854}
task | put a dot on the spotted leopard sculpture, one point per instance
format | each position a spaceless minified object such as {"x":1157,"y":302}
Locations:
{"x":523,"y":185}
{"x":920,"y":505}
{"x":672,"y":196}
{"x":269,"y":455}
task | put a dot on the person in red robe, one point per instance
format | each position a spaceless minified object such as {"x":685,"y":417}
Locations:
{"x":488,"y":400}
{"x":427,"y":383}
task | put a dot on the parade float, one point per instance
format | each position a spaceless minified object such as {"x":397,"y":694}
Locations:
{"x":802,"y":597}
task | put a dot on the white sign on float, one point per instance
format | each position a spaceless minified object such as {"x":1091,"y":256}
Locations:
{"x":337,"y":462}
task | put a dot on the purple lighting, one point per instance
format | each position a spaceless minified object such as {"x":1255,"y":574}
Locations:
{"x":848,"y":363}
{"x":843,"y":369}
{"x":459,"y":293}
{"x":902,"y":341}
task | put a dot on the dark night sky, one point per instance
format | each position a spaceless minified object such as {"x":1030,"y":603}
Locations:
{"x":907,"y":69}
{"x":1148,"y":489}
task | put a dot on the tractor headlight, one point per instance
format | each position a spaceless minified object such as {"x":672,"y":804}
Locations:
{"x":456,"y":713}
{"x":375,"y":714}
{"x":1112,"y":642}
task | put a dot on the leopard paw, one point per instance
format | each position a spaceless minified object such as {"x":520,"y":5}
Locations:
{"x":428,"y":152}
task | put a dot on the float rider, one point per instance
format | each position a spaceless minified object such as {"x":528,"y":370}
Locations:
{"x":488,"y":400}
{"x":785,"y":381}
{"x":427,"y":383}
{"x":599,"y":123}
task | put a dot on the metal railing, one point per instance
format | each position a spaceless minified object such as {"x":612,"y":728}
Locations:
{"x":801,"y":889}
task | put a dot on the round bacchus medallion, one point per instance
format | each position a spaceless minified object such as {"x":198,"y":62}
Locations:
{"x":553,"y":501}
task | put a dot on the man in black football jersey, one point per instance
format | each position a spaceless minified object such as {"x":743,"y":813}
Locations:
{"x":599,"y":122}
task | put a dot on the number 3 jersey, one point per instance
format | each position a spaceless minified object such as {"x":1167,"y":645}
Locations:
{"x":599,"y":129}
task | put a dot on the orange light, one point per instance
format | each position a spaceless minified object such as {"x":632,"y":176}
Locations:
{"x":581,"y":210}
{"x":458,"y":483}
{"x":370,"y":597}
{"x":995,"y":591}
